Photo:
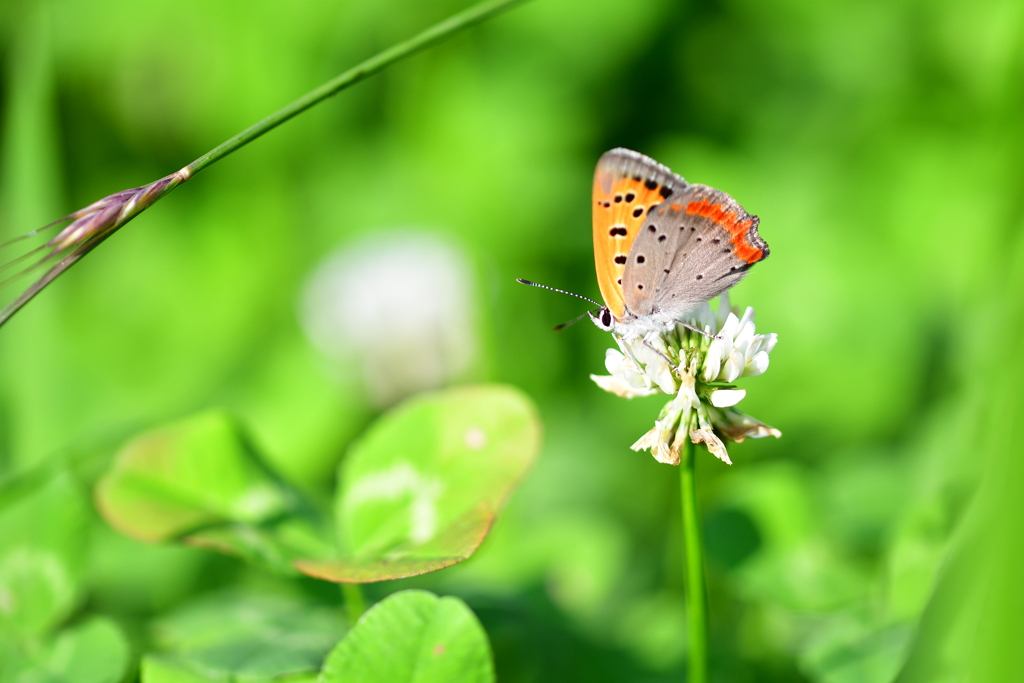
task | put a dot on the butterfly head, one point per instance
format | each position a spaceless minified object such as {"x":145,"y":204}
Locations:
{"x":603,"y":318}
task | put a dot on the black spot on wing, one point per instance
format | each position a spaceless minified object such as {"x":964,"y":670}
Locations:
{"x":737,"y":269}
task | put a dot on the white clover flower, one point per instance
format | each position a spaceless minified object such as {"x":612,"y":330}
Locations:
{"x":698,"y":371}
{"x":400,"y":304}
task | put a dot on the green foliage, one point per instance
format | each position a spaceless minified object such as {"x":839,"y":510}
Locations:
{"x":243,"y":635}
{"x":190,"y":474}
{"x":93,"y":652}
{"x":418,"y":493}
{"x":413,"y":637}
{"x":42,"y":521}
{"x":878,"y":142}
{"x":847,"y":654}
{"x":197,"y":479}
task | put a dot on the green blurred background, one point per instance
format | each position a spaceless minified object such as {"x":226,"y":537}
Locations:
{"x":879,"y":141}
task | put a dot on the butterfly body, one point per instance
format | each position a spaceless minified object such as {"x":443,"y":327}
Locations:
{"x":662,"y":246}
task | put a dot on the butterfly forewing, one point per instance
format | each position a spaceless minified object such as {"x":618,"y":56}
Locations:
{"x":689,"y":250}
{"x":627,"y":186}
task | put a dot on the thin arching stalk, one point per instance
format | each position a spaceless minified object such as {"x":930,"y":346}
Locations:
{"x":99,"y":220}
{"x":432,"y":35}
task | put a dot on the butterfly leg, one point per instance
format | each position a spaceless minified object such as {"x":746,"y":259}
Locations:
{"x":667,"y":360}
{"x":698,"y":330}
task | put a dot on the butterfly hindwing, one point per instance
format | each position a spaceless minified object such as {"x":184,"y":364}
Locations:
{"x":689,"y":250}
{"x":627,"y":186}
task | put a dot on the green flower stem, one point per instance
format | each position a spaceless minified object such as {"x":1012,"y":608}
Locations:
{"x":355,"y":602}
{"x":432,"y":35}
{"x":696,"y":594}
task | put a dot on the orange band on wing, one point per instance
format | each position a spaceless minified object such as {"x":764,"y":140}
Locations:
{"x":738,"y":230}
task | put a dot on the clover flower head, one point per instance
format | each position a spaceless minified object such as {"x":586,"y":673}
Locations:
{"x":698,"y":371}
{"x":399,"y":304}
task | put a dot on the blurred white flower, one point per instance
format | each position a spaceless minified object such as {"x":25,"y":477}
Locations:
{"x":698,"y":372}
{"x":400,"y":304}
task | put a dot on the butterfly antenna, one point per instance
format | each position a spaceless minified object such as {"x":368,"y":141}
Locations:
{"x":575,"y":320}
{"x":560,"y":291}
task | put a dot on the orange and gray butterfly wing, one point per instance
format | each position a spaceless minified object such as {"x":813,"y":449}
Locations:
{"x":627,"y":185}
{"x":689,"y":250}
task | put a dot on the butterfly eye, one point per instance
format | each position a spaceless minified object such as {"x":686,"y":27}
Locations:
{"x":606,"y":319}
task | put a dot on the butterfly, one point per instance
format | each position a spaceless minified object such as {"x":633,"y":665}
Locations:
{"x":663,"y":247}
